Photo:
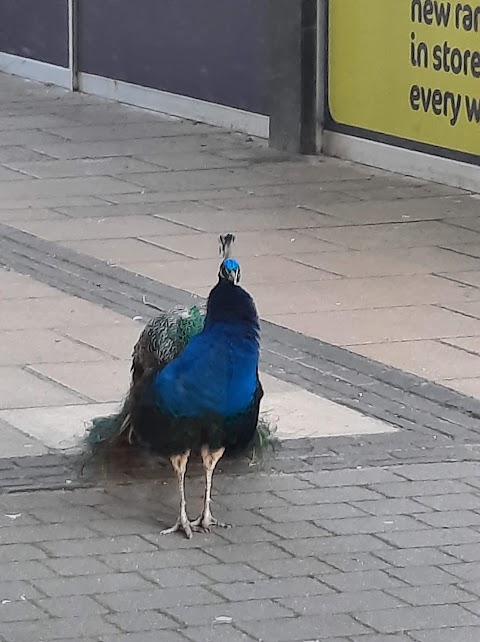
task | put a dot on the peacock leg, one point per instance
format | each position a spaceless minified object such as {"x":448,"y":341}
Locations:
{"x":206,"y":519}
{"x":179,"y":463}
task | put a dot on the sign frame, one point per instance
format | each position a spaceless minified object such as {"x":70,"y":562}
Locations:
{"x":330,"y":124}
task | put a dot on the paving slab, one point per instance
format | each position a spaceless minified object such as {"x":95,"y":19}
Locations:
{"x":106,"y":149}
{"x":308,"y":196}
{"x":34,"y":188}
{"x":377,"y":292}
{"x":355,"y":327}
{"x":7,"y":174}
{"x":201,"y":160}
{"x":56,"y":312}
{"x":401,"y":192}
{"x":35,"y":137}
{"x":193,"y":274}
{"x":470,"y":249}
{"x":25,"y":203}
{"x":25,"y":347}
{"x":18,"y":444}
{"x":250,"y":244}
{"x":80,"y":167}
{"x":429,"y":359}
{"x":102,"y":381}
{"x":204,"y":179}
{"x":19,"y":286}
{"x":395,"y":261}
{"x":57,"y":427}
{"x":110,"y":131}
{"x":120,"y":251}
{"x":470,"y":387}
{"x":16,"y":153}
{"x":407,"y":210}
{"x":249,"y":220}
{"x":299,"y":413}
{"x":147,"y":206}
{"x":467,"y":222}
{"x":39,"y":214}
{"x":22,"y":389}
{"x":470,"y":308}
{"x":117,"y":341}
{"x":98,"y":228}
{"x":415,"y":234}
{"x":470,"y":278}
{"x":317,"y":169}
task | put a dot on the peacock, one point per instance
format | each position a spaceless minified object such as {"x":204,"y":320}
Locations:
{"x":195,"y":386}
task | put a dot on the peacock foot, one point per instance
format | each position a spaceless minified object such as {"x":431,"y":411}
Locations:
{"x":204,"y":523}
{"x":182,"y":524}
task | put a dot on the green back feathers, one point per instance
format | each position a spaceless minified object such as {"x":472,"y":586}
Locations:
{"x":188,"y":326}
{"x":164,"y":336}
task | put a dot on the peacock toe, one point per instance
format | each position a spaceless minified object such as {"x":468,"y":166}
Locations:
{"x":180,"y":525}
{"x":203,"y":524}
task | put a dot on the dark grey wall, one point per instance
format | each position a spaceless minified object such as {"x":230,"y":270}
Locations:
{"x":215,"y":50}
{"x":35,"y":29}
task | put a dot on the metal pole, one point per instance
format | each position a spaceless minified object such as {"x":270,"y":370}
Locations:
{"x":73,"y":43}
{"x":322,"y":71}
{"x":308,"y":70}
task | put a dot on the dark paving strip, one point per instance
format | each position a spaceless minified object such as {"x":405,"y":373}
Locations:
{"x":64,"y":472}
{"x":430,"y":415}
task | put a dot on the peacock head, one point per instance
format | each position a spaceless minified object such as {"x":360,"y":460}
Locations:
{"x":229,"y":271}
{"x":229,"y":268}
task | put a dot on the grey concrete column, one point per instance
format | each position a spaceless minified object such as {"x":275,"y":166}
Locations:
{"x":293,"y":99}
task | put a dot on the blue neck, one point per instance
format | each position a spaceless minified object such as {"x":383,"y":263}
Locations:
{"x":228,"y":303}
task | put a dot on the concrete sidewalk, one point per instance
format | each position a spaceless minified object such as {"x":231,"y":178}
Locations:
{"x":384,"y":265}
{"x":365,"y":527}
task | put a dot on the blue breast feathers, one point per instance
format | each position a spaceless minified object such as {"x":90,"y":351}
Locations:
{"x":216,"y":373}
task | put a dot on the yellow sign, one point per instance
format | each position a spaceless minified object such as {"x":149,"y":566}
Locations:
{"x":407,"y":68}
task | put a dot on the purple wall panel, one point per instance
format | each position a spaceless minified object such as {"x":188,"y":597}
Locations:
{"x":35,"y":29}
{"x":215,"y":50}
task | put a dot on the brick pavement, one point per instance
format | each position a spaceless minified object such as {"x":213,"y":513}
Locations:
{"x":345,"y":539}
{"x":360,"y":555}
